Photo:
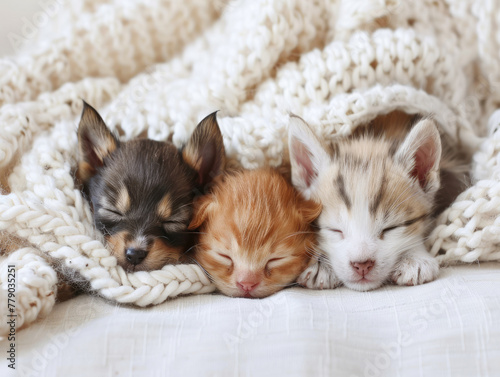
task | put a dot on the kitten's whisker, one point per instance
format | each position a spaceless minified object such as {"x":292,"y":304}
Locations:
{"x":296,"y":233}
{"x":191,"y":248}
{"x":204,"y":270}
{"x":396,"y":207}
{"x":392,"y":207}
{"x":282,"y":285}
{"x":321,"y":259}
{"x":314,"y":255}
{"x":312,"y":251}
{"x":315,"y":252}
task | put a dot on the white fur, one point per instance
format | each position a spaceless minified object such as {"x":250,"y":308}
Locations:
{"x":320,"y":275}
{"x":417,"y":266}
{"x":350,"y":233}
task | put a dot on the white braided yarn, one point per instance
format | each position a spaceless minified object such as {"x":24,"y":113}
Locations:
{"x":160,"y":66}
{"x":470,"y":229}
{"x":35,"y":291}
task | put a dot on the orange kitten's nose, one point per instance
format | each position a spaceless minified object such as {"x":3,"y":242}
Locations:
{"x":247,"y":286}
{"x":363,"y":268}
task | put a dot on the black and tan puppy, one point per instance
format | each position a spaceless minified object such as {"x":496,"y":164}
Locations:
{"x":142,"y":190}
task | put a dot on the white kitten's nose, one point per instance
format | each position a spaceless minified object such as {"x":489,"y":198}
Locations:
{"x":363,"y":268}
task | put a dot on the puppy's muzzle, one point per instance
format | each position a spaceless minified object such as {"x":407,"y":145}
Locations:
{"x":135,"y":256}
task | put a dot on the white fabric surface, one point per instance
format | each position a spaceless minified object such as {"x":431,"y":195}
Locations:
{"x":450,"y":327}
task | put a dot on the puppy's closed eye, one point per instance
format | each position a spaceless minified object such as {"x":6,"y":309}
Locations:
{"x":173,"y":226}
{"x":110,"y":215}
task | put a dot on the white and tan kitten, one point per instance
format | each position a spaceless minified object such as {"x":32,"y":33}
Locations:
{"x":378,"y":189}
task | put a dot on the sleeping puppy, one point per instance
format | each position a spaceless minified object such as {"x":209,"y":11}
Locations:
{"x":142,"y":190}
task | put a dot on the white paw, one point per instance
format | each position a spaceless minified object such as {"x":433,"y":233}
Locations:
{"x":414,"y":270}
{"x":319,"y":276}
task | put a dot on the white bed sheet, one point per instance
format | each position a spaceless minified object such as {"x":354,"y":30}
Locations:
{"x":450,"y":327}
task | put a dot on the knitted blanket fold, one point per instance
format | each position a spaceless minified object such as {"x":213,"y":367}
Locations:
{"x":155,"y":68}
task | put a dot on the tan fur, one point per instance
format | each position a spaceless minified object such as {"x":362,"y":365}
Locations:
{"x":454,"y":164}
{"x":85,"y":171}
{"x":10,"y":243}
{"x":393,"y":126}
{"x":164,"y":209}
{"x":123,"y":200}
{"x":388,"y":179}
{"x":159,"y":253}
{"x":117,"y":243}
{"x":254,"y":217}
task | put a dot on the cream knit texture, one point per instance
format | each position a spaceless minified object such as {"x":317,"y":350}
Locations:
{"x":155,"y":68}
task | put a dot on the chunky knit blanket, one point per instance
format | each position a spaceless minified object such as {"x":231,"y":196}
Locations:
{"x":154,"y":68}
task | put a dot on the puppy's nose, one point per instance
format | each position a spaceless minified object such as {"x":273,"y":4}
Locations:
{"x":247,"y":286}
{"x":135,"y":256}
{"x":363,"y":268}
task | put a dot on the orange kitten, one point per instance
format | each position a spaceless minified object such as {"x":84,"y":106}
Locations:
{"x":255,"y":233}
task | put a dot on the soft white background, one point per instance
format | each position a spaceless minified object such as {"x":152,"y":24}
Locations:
{"x":11,"y":14}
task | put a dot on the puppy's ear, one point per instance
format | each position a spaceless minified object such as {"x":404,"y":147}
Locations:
{"x":200,"y":213}
{"x":95,"y":142}
{"x":308,"y":157}
{"x":204,"y":151}
{"x":420,"y":153}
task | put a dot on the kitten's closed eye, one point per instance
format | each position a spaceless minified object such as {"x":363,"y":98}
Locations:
{"x":402,"y":225}
{"x":274,"y":262}
{"x":386,"y":230}
{"x":227,"y":259}
{"x":337,"y":232}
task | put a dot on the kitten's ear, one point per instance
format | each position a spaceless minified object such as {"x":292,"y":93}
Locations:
{"x":204,"y":151}
{"x":308,"y":156}
{"x":200,"y":213}
{"x":95,"y":142}
{"x":421,"y":154}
